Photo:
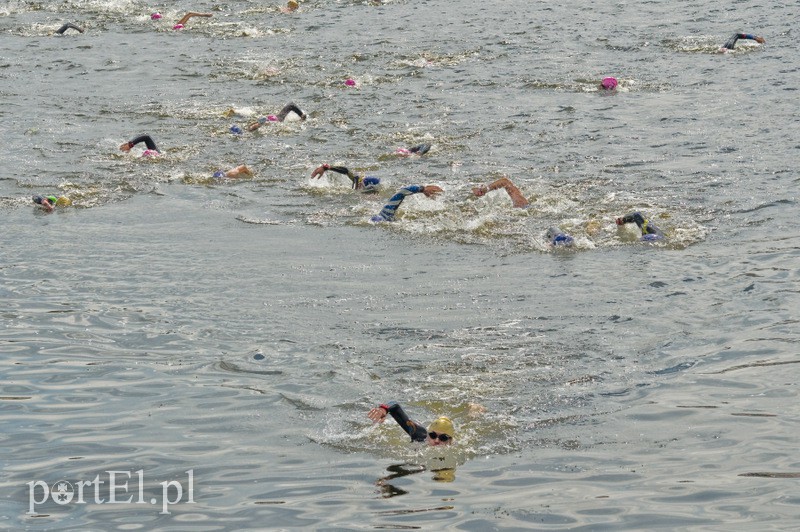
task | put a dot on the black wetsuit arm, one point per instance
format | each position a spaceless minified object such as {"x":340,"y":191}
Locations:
{"x":735,"y":37}
{"x":412,"y":428}
{"x":147,"y":139}
{"x":288,"y":108}
{"x":345,"y":171}
{"x":67,"y":26}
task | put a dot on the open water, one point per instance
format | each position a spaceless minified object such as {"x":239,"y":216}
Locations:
{"x":228,"y":336}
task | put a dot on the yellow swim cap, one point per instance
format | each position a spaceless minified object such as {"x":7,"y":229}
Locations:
{"x":443,"y":425}
{"x":63,"y":201}
{"x":293,"y":4}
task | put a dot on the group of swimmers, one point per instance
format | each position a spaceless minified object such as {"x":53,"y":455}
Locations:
{"x":441,"y":432}
{"x":388,"y":213}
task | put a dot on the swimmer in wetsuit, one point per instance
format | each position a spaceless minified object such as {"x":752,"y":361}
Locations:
{"x":49,"y":203}
{"x":517,"y":199}
{"x":649,"y":231}
{"x":440,"y":432}
{"x":422,"y":149}
{"x":390,"y":209}
{"x":280,"y":117}
{"x":68,"y":26}
{"x":151,"y":150}
{"x":360,"y":182}
{"x":729,"y":45}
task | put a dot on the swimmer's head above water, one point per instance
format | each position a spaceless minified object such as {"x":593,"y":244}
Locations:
{"x":557,"y":237}
{"x":441,"y":432}
{"x":609,"y":83}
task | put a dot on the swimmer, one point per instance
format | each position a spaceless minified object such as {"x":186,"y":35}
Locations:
{"x":181,"y":23}
{"x":49,"y":203}
{"x":649,"y":231}
{"x":558,"y":238}
{"x":360,"y":182}
{"x":68,"y":26}
{"x":151,"y":151}
{"x":440,"y":432}
{"x":290,"y":7}
{"x":422,"y":149}
{"x":517,"y":199}
{"x":390,"y":209}
{"x":729,"y":45}
{"x":280,"y":117}
{"x":239,"y":171}
{"x":608,"y":84}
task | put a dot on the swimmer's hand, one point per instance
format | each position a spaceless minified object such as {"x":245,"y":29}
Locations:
{"x":431,"y":191}
{"x":377,"y":414}
{"x":760,"y":40}
{"x":480,"y":191}
{"x":320,"y":171}
{"x":253,"y":126}
{"x":125,"y":146}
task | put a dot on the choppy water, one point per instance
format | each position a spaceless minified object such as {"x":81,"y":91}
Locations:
{"x":240,"y":330}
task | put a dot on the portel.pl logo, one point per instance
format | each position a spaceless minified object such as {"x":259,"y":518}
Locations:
{"x":111,"y":490}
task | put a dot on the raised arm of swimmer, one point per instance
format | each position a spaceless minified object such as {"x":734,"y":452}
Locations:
{"x":731,"y":43}
{"x":514,"y":193}
{"x":320,"y":171}
{"x":440,"y":432}
{"x":180,"y":24}
{"x":147,"y":139}
{"x":389,"y":210}
{"x":280,"y":117}
{"x":69,"y":26}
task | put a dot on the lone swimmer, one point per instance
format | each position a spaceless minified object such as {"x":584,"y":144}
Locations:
{"x":729,"y":45}
{"x":440,"y":432}
{"x":514,"y":193}
{"x":151,"y":151}
{"x":360,"y":182}
{"x":649,"y":231}
{"x":389,"y":210}
{"x":49,"y":203}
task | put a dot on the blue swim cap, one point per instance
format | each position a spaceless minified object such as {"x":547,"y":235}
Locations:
{"x":219,"y":173}
{"x":378,"y":218}
{"x":651,"y":237}
{"x":236,"y":129}
{"x":563,"y":240}
{"x":370,"y":184}
{"x":38,"y":199}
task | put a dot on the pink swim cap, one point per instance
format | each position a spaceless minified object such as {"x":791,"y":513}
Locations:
{"x":350,"y":82}
{"x":177,"y":27}
{"x":150,"y":153}
{"x":609,"y":83}
{"x":272,"y":118}
{"x":155,"y":16}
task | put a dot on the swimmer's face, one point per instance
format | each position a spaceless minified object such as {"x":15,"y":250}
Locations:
{"x":435,"y":439}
